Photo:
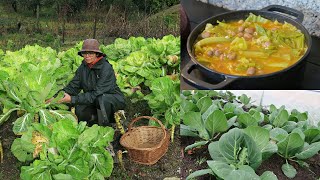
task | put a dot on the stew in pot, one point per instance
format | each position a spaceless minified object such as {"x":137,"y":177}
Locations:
{"x":254,"y":46}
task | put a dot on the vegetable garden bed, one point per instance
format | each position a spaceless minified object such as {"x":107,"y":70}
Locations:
{"x":226,"y":137}
{"x":47,"y":139}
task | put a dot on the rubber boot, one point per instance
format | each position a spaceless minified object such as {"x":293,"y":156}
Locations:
{"x":102,"y":119}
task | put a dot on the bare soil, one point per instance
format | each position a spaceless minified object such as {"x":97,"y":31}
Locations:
{"x":10,"y":167}
{"x":275,"y":162}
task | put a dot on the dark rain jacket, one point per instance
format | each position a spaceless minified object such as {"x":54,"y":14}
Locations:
{"x":95,"y":81}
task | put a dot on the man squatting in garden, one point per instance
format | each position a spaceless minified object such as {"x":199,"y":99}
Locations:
{"x":101,"y":95}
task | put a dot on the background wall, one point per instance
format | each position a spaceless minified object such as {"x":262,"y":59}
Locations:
{"x":302,"y":100}
{"x":310,"y":9}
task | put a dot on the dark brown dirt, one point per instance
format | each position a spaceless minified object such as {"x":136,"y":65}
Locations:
{"x":10,"y":167}
{"x":275,"y":162}
{"x":194,"y":160}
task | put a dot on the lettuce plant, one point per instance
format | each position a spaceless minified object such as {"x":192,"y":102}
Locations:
{"x":65,"y":150}
{"x":164,"y":101}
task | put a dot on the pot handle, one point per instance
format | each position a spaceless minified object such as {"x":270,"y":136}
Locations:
{"x":286,"y":10}
{"x":186,"y":74}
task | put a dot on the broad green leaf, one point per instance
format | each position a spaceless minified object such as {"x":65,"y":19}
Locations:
{"x":196,"y":144}
{"x":242,"y":175}
{"x":291,"y":145}
{"x":45,"y":175}
{"x":20,"y":152}
{"x":64,"y":130}
{"x":254,"y":155}
{"x":229,"y":107}
{"x":187,"y":131}
{"x":268,"y":175}
{"x":232,"y":142}
{"x":61,"y":176}
{"x":231,"y":121}
{"x":221,"y":169}
{"x":247,"y":120}
{"x":247,"y":169}
{"x":209,"y":111}
{"x":26,"y":172}
{"x":6,"y":102}
{"x":216,"y":122}
{"x":78,"y":169}
{"x":214,"y":152}
{"x":267,"y":127}
{"x":299,"y":131}
{"x":22,"y":124}
{"x":278,"y":134}
{"x":199,"y":94}
{"x":4,"y":117}
{"x":61,"y":114}
{"x":309,"y":151}
{"x":259,"y":135}
{"x":297,"y":116}
{"x":105,"y":136}
{"x":199,"y":173}
{"x":101,"y":161}
{"x":46,"y":117}
{"x":186,"y":92}
{"x":97,"y":176}
{"x":289,"y":126}
{"x":187,"y":106}
{"x":204,"y":103}
{"x":281,"y":118}
{"x":258,"y":116}
{"x":289,"y":170}
{"x":269,"y":150}
{"x":193,"y":119}
{"x":302,"y":125}
{"x":43,"y":129}
{"x":272,"y":108}
{"x":244,"y":99}
{"x":87,"y":137}
{"x":312,"y":135}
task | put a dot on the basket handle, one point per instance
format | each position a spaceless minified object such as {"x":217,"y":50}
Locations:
{"x":150,"y":118}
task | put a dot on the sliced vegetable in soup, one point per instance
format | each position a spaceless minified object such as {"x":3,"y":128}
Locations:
{"x":254,"y":46}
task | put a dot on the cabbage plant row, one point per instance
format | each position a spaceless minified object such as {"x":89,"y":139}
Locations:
{"x":241,"y":136}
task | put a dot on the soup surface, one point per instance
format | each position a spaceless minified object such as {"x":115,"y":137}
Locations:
{"x":253,"y":46}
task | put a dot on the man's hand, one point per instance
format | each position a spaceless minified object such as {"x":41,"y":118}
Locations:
{"x":49,"y":100}
{"x":66,"y":98}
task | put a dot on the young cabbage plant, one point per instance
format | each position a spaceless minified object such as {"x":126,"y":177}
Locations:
{"x":203,"y":119}
{"x":234,"y":156}
{"x":293,"y":148}
{"x":281,"y":118}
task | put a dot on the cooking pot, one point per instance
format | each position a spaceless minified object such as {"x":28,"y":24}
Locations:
{"x":220,"y":80}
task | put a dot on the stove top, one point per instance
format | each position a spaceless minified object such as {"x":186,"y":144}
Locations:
{"x":193,"y":78}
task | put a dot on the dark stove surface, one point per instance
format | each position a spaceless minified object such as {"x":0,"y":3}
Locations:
{"x":198,"y":12}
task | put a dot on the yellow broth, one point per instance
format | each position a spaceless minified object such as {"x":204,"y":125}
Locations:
{"x":264,"y":46}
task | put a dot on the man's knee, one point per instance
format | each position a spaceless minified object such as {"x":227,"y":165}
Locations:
{"x":110,"y":101}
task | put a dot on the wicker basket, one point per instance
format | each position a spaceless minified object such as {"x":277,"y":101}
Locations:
{"x":145,"y":144}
